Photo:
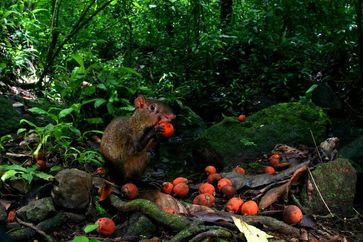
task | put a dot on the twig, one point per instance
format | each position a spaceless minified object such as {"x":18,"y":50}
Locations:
{"x":316,"y":147}
{"x":32,"y":226}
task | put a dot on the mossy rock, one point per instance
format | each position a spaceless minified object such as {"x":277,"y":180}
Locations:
{"x":9,"y":117}
{"x":284,"y":123}
{"x":336,"y":181}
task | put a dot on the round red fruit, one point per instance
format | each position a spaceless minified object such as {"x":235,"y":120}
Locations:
{"x":106,"y":226}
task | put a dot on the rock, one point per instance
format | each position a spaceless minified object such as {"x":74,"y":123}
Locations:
{"x":20,"y":185}
{"x":286,"y":123}
{"x":72,"y":189}
{"x":336,"y":181}
{"x":9,"y":117}
{"x":36,"y":210}
{"x":140,"y":226}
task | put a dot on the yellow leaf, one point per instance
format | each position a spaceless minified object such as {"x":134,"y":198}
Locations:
{"x":251,"y":233}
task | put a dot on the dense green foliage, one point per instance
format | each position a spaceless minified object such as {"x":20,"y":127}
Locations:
{"x":86,"y":60}
{"x":180,"y":49}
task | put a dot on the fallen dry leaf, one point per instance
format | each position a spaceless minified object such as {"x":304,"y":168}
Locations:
{"x":254,"y":181}
{"x":251,"y":233}
{"x":104,"y":191}
{"x":275,"y":193}
{"x":164,"y":200}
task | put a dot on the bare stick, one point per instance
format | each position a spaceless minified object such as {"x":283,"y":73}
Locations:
{"x":316,"y":147}
{"x":35,"y":228}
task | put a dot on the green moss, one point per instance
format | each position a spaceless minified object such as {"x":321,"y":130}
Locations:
{"x":287,"y":123}
{"x":331,"y":177}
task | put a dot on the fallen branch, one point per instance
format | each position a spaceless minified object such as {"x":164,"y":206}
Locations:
{"x":176,"y":223}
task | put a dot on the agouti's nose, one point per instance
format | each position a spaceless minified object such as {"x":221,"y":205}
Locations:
{"x":171,"y":116}
{"x":167,"y":117}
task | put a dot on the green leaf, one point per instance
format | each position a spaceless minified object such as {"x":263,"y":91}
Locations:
{"x":56,"y":168}
{"x":94,"y":120}
{"x":39,"y":111}
{"x":127,"y":70}
{"x":44,"y":176}
{"x":9,"y":174}
{"x":100,"y":210}
{"x":90,"y":227}
{"x":21,"y":130}
{"x":80,"y":239}
{"x":78,"y":59}
{"x":102,"y":87}
{"x":27,"y":176}
{"x":14,"y":167}
{"x":65,"y":112}
{"x":310,"y":91}
{"x":114,"y":2}
{"x":99,"y":102}
{"x":28,"y":122}
{"x":247,"y":142}
{"x":128,"y":108}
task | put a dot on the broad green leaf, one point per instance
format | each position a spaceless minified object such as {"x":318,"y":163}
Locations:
{"x":114,"y":2}
{"x":80,"y":239}
{"x":78,"y":59}
{"x":9,"y":174}
{"x":43,"y":176}
{"x":28,"y":122}
{"x":39,"y":111}
{"x":310,"y":91}
{"x":56,"y":168}
{"x":90,"y":227}
{"x":65,"y":112}
{"x":21,"y":130}
{"x":99,"y":102}
{"x":15,"y":167}
{"x":102,"y":86}
{"x":27,"y":176}
{"x":136,"y":4}
{"x":251,"y":233}
{"x":99,"y":209}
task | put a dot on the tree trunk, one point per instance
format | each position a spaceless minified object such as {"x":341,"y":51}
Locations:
{"x":226,"y":12}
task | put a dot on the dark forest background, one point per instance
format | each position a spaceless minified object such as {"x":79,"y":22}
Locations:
{"x":92,"y":57}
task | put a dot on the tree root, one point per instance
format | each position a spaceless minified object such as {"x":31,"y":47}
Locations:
{"x":202,"y":232}
{"x":176,"y":223}
{"x":24,"y":234}
{"x":187,"y":227}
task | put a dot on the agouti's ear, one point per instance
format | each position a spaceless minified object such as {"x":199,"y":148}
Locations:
{"x":140,"y":101}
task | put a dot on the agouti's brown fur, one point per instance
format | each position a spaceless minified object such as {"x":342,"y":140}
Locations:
{"x":126,"y":140}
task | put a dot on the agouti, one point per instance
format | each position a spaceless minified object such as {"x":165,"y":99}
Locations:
{"x":126,"y":140}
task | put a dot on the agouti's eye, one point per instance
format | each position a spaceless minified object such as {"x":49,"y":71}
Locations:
{"x":153,"y":107}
